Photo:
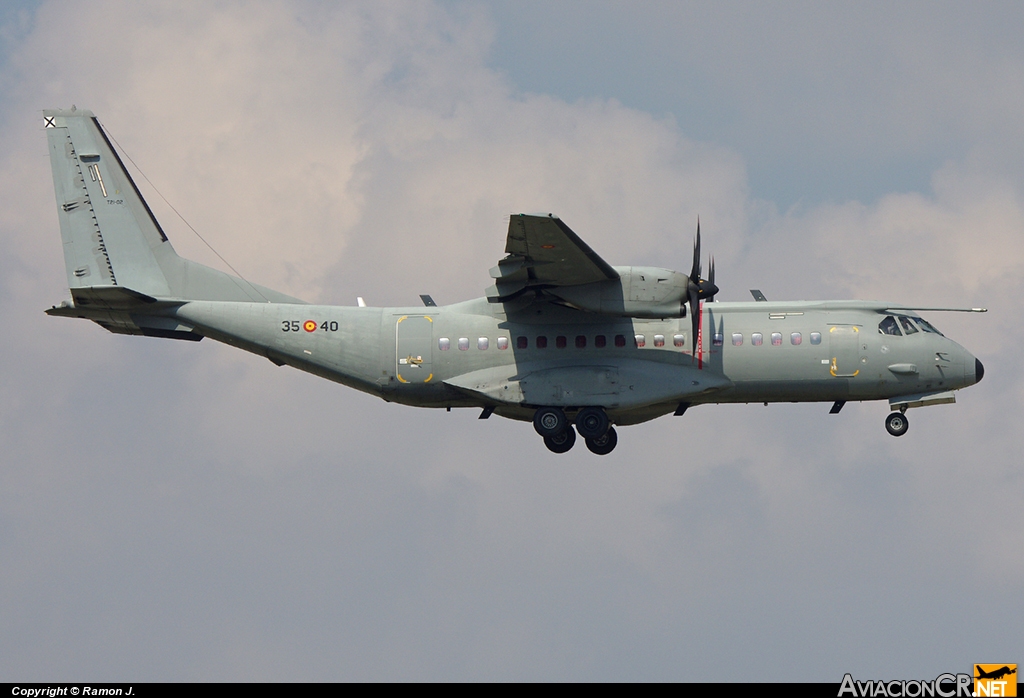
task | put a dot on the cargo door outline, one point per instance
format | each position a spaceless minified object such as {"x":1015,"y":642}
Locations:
{"x":844,"y":346}
{"x":414,"y":342}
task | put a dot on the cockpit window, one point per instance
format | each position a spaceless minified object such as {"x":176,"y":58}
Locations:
{"x":888,"y":326}
{"x":927,"y":326}
{"x":908,"y":326}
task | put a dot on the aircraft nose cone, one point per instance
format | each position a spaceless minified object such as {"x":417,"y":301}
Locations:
{"x":979,"y":371}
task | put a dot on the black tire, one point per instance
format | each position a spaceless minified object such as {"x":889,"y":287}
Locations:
{"x":592,"y":422}
{"x":897,"y":424}
{"x":561,"y":442}
{"x":549,"y":421}
{"x":604,"y":444}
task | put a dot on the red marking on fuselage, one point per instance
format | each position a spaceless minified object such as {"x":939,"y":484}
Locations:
{"x":700,"y":336}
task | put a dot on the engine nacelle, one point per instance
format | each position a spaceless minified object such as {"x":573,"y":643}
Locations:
{"x":641,"y":292}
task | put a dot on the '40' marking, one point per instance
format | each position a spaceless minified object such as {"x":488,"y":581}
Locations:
{"x":308,"y":326}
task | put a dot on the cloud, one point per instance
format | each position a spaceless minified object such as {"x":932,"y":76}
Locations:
{"x":194,"y":512}
{"x":826,"y":103}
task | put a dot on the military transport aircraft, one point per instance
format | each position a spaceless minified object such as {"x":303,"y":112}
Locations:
{"x":562,"y":338}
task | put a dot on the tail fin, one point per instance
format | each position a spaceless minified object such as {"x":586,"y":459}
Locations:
{"x":117,"y":255}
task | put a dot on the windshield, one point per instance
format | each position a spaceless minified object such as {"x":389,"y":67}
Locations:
{"x":907,"y":325}
{"x":927,"y":326}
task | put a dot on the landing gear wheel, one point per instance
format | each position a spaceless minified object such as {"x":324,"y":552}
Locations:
{"x":896,"y":424}
{"x":604,"y":444}
{"x":549,"y":421}
{"x":592,"y":422}
{"x":561,"y":442}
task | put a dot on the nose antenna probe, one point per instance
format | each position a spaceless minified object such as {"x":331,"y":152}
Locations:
{"x":900,"y":308}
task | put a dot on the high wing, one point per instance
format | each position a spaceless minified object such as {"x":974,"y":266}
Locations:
{"x":543,"y":252}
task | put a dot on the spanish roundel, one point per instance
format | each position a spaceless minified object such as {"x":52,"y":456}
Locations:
{"x":309,"y":326}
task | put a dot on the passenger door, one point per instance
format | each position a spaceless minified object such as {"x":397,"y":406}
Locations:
{"x":844,"y":347}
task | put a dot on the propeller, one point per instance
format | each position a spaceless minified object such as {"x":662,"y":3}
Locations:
{"x":698,"y":288}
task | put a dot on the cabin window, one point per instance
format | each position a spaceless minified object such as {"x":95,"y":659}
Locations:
{"x":542,"y":342}
{"x":907,"y":325}
{"x":757,"y":339}
{"x":561,"y":342}
{"x":503,"y":342}
{"x":659,"y":340}
{"x":482,"y":343}
{"x":796,"y":339}
{"x":679,"y":340}
{"x":737,"y":339}
{"x":640,"y":340}
{"x":522,"y":342}
{"x":815,"y":337}
{"x":581,"y":341}
{"x":888,"y":326}
{"x":463,"y":343}
{"x":620,"y":340}
{"x":444,"y":344}
{"x":600,"y":341}
{"x":776,"y":339}
{"x":718,"y":339}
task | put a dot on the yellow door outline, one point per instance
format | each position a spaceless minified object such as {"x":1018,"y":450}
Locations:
{"x":415,"y":361}
{"x":832,"y":368}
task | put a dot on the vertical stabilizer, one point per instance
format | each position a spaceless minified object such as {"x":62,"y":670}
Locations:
{"x":110,"y":236}
{"x":114,"y":248}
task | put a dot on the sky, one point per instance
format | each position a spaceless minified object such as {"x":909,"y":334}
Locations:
{"x":173,"y":511}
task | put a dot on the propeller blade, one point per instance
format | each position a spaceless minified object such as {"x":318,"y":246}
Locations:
{"x":711,"y":280}
{"x":695,"y":271}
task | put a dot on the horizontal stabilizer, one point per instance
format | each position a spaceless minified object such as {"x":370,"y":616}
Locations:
{"x":130,"y":316}
{"x":111,"y":297}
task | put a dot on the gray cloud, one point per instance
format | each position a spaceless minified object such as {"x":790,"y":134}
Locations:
{"x":827,"y":103}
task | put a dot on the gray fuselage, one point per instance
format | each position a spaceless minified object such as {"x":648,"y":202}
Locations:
{"x":480,"y":354}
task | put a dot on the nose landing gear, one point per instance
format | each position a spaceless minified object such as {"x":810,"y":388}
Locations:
{"x":897,"y":424}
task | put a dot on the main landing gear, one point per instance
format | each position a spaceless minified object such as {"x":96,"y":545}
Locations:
{"x":591,"y":423}
{"x":562,"y":441}
{"x":897,"y":424}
